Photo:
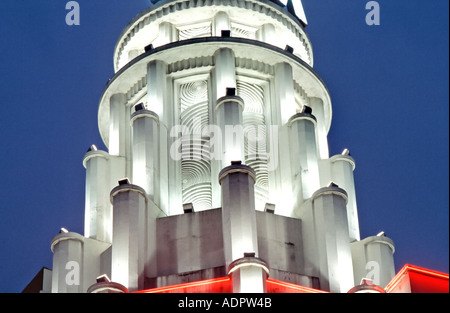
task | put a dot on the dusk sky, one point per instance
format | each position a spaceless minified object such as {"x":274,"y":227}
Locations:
{"x":388,"y":86}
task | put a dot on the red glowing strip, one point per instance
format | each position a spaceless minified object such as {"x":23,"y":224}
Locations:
{"x":413,"y":268}
{"x":187,"y":285}
{"x":294,"y":286}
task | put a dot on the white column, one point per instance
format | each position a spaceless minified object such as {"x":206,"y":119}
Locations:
{"x":229,"y":119}
{"x":284,"y":88}
{"x":221,"y":22}
{"x":240,"y":238}
{"x":249,"y":274}
{"x":132,"y":54}
{"x":373,"y":258}
{"x":156,"y":88}
{"x":332,"y":244}
{"x":145,"y":150}
{"x":98,"y":210}
{"x":225,"y":71}
{"x":117,"y":126}
{"x":304,"y":158}
{"x":267,"y":34}
{"x":67,"y":274}
{"x":322,"y":131}
{"x":159,"y":102}
{"x":166,"y":34}
{"x":129,"y":236}
{"x":342,"y":167}
{"x":238,"y":211}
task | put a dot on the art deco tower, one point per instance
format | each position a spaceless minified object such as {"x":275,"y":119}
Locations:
{"x":218,"y":168}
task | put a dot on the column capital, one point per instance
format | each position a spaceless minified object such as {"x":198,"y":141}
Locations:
{"x":107,"y":287}
{"x":224,"y":99}
{"x":333,"y":190}
{"x":344,"y":158}
{"x":66,"y":236}
{"x":125,"y":188}
{"x":144,"y":113}
{"x":248,"y":261}
{"x":302,"y":116}
{"x":237,"y":167}
{"x":95,"y":154}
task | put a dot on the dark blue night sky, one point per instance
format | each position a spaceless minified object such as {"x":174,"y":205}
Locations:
{"x":388,"y":85}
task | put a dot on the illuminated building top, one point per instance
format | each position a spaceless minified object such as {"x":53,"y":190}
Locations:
{"x":217,"y":175}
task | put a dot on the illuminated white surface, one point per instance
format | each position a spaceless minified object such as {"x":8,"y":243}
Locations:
{"x":129,"y":240}
{"x":238,"y":212}
{"x":176,"y":158}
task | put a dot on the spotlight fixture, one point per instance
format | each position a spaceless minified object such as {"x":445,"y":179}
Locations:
{"x":225,"y":33}
{"x":188,"y":208}
{"x":124,"y":181}
{"x":307,"y":110}
{"x":367,"y":286}
{"x":345,"y":152}
{"x":230,"y":91}
{"x":236,"y":162}
{"x":139,"y":107}
{"x":92,"y":148}
{"x":332,"y":184}
{"x":269,"y":208}
{"x":63,"y":230}
{"x":249,"y":254}
{"x":103,"y":279}
{"x":289,"y":49}
{"x":381,"y":234}
{"x":148,"y":48}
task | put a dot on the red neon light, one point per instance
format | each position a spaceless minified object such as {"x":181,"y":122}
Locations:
{"x":290,"y":288}
{"x":435,"y":278}
{"x":420,"y":280}
{"x":185,"y":287}
{"x":223,"y":284}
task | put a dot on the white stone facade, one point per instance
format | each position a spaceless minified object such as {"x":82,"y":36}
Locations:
{"x":215,"y":107}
